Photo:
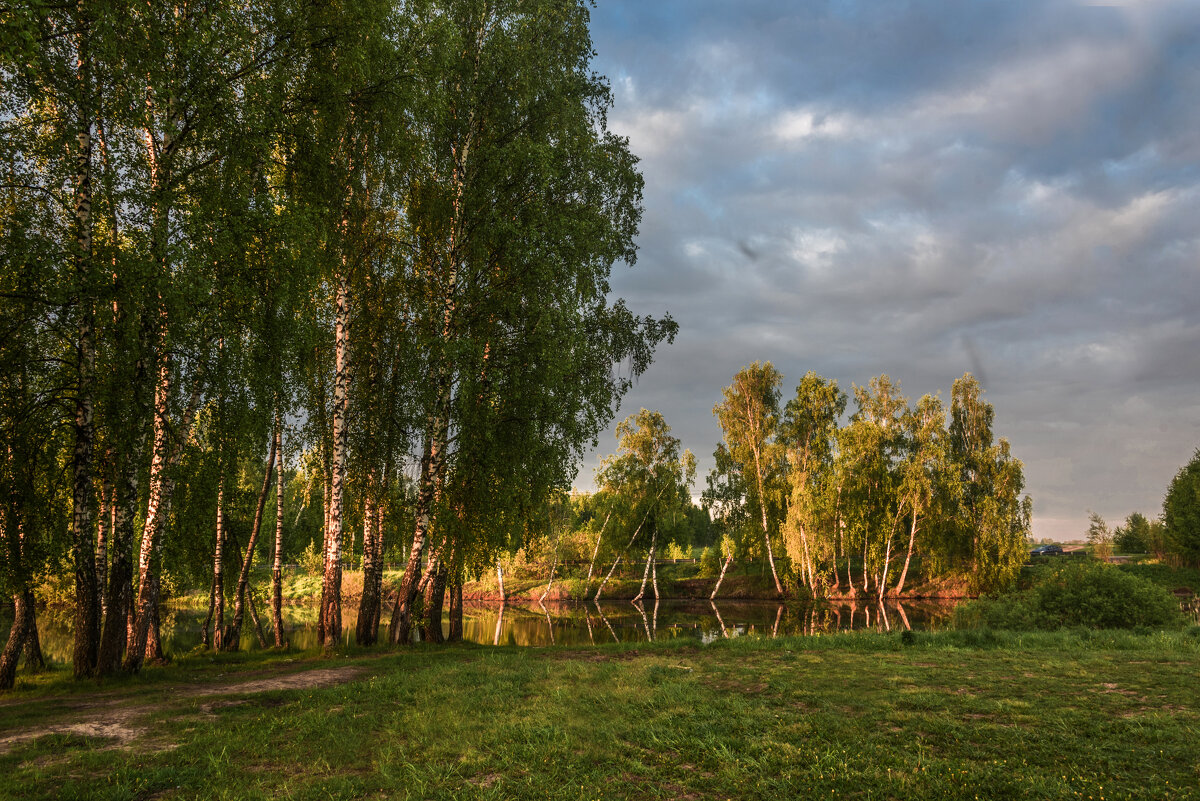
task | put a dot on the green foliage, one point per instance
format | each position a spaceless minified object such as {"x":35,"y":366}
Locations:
{"x":1099,"y":537}
{"x":650,"y":482}
{"x":312,"y":560}
{"x":1181,"y":512}
{"x":710,"y":562}
{"x":1087,"y":594}
{"x":1137,"y":535}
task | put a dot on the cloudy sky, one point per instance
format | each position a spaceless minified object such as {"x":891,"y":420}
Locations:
{"x":921,"y":189}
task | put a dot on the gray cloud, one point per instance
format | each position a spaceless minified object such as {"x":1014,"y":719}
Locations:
{"x":923,"y":189}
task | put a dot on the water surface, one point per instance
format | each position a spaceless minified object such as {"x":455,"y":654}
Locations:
{"x":573,"y":624}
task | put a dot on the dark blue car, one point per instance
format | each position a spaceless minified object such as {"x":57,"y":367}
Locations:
{"x":1046,"y":550}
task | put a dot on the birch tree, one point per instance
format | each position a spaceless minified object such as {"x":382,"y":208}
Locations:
{"x":524,"y":202}
{"x":807,"y":434}
{"x":749,"y":416}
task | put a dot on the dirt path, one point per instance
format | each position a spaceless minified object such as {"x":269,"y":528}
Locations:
{"x":121,"y":717}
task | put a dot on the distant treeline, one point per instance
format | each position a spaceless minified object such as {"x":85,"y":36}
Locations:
{"x":1173,"y":538}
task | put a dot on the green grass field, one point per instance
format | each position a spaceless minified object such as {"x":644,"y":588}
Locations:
{"x":1073,"y":714}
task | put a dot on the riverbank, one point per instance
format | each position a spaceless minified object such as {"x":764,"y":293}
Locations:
{"x":946,"y":715}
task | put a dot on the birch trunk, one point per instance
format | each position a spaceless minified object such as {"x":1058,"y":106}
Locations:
{"x":162,"y":486}
{"x":365,"y":631}
{"x":218,"y":639}
{"x":120,"y":578}
{"x":103,"y":523}
{"x":35,"y":660}
{"x":431,"y":465}
{"x":762,"y":505}
{"x":154,"y":651}
{"x":85,"y":651}
{"x":553,"y":569}
{"x":239,"y":604}
{"x":649,"y":565}
{"x":500,"y":580}
{"x":721,"y":577}
{"x":155,"y":512}
{"x":808,"y":567}
{"x":330,"y":633}
{"x":435,"y":593}
{"x":887,"y":558}
{"x":596,"y":551}
{"x":15,"y":643}
{"x":912,"y":538}
{"x":865,"y":575}
{"x":628,"y":545}
{"x":277,"y":567}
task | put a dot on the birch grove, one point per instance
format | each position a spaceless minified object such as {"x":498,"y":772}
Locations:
{"x":375,"y":238}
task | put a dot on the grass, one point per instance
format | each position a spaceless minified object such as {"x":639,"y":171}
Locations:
{"x":1072,"y":714}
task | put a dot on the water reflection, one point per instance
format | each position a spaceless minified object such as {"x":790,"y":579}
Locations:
{"x":543,"y":624}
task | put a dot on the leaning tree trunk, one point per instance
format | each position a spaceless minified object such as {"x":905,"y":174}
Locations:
{"x":636,"y":531}
{"x":912,"y":538}
{"x":883,"y":574}
{"x":15,"y":643}
{"x":239,"y":604}
{"x":596,"y":551}
{"x":649,"y":565}
{"x":762,"y":503}
{"x":808,"y":566}
{"x":330,"y":633}
{"x":720,"y":578}
{"x":277,"y":567}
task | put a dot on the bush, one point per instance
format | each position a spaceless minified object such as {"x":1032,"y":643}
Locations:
{"x":312,"y":561}
{"x":710,"y":563}
{"x":1082,"y":594}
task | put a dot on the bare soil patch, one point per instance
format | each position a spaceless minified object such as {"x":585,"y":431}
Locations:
{"x":121,"y":719}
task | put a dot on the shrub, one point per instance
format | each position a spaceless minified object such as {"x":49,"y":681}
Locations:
{"x":710,"y":562}
{"x":677,"y":551}
{"x":1081,"y":594}
{"x":312,"y":561}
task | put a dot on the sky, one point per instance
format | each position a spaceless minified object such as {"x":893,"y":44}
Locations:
{"x":923,"y":189}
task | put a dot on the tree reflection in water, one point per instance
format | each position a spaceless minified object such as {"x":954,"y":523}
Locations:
{"x":549,"y":623}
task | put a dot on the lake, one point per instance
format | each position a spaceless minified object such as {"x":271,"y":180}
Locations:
{"x":573,"y":624}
